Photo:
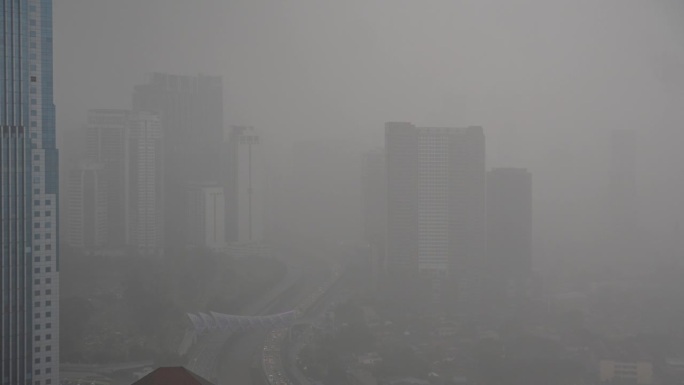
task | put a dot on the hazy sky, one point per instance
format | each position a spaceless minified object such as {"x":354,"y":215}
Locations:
{"x":547,"y":79}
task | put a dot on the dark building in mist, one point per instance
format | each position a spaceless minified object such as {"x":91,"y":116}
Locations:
{"x":128,"y":145}
{"x":86,"y":207}
{"x":244,"y":182}
{"x":374,"y":186}
{"x":107,"y":144}
{"x":191,"y":111}
{"x":436,"y":231}
{"x":622,"y":197}
{"x":29,"y":278}
{"x":509,"y":238}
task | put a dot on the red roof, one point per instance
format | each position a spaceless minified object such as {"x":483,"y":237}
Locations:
{"x":172,"y":376}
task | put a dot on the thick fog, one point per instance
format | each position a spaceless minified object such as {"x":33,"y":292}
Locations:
{"x":547,"y":80}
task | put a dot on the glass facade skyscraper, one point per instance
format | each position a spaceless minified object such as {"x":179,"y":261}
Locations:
{"x":29,"y":278}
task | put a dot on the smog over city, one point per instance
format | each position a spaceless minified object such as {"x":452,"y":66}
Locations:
{"x":360,"y":192}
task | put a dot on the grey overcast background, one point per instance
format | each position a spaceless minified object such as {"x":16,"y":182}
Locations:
{"x":547,"y":79}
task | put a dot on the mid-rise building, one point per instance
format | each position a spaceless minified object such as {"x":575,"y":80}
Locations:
{"x":191,"y":111}
{"x":207,"y":217}
{"x":509,"y":238}
{"x":29,"y":278}
{"x":86,"y":210}
{"x":436,"y":232}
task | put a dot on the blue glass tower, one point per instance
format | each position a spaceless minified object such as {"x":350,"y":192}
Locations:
{"x":29,"y":278}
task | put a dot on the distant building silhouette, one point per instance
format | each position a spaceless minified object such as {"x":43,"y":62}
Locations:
{"x":245,"y":183}
{"x":191,"y":111}
{"x":129,"y":147}
{"x":509,"y":238}
{"x":107,"y":144}
{"x":436,"y":212}
{"x":146,"y":191}
{"x":207,"y":221}
{"x":86,"y":207}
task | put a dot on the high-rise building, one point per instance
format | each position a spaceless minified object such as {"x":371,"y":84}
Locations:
{"x":145,"y":198}
{"x":207,"y":217}
{"x":245,"y":186}
{"x":509,"y":238}
{"x":374,"y":186}
{"x":86,"y":208}
{"x":128,"y":145}
{"x":191,"y":111}
{"x":29,"y":278}
{"x":107,"y":144}
{"x":436,"y":231}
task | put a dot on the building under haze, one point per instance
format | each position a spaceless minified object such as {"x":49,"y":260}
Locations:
{"x":207,"y":219}
{"x":622,"y":198}
{"x":106,"y":143}
{"x":245,"y":184}
{"x":145,"y":183}
{"x":29,"y":336}
{"x":191,"y":111}
{"x":509,"y":238}
{"x":129,"y":147}
{"x":436,"y":232}
{"x":86,"y":208}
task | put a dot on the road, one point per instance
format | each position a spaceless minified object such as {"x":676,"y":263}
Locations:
{"x":238,"y":354}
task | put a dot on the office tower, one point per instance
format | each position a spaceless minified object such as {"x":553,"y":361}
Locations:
{"x":128,"y":145}
{"x":145,"y":219}
{"x":191,"y":111}
{"x":86,"y":208}
{"x":374,"y":186}
{"x":207,"y":217}
{"x":29,"y":336}
{"x":509,"y":238}
{"x":107,"y":144}
{"x":245,"y":186}
{"x":623,"y":197}
{"x":436,"y":231}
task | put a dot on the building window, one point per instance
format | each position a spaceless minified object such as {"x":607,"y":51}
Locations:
{"x":48,"y":336}
{"x":48,"y":303}
{"x":48,"y":213}
{"x":48,"y":348}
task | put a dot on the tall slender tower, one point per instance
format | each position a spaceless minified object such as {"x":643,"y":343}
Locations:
{"x":29,"y":278}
